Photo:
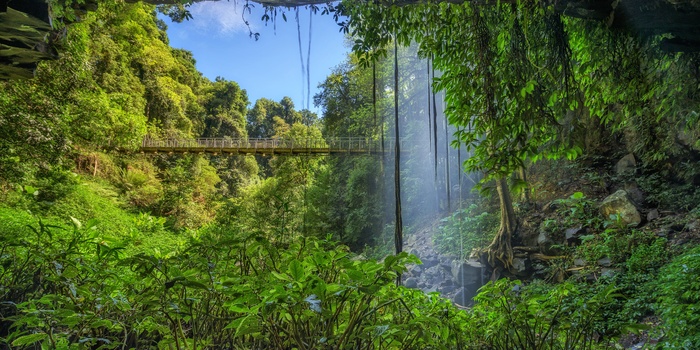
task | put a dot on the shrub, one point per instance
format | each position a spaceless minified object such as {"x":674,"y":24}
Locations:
{"x":72,"y":287}
{"x":508,"y":315}
{"x":678,"y":292}
{"x":465,"y":230}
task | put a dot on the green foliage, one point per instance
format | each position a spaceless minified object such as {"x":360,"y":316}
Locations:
{"x":476,"y":50}
{"x":638,"y":250}
{"x":678,"y":291}
{"x":189,"y":187}
{"x":64,"y":286}
{"x":508,"y":315}
{"x":140,"y":184}
{"x":577,"y":210}
{"x":226,"y":105}
{"x":54,"y":184}
{"x":465,"y":230}
{"x":347,"y":101}
{"x":363,"y":200}
{"x":261,"y":119}
{"x":640,"y":90}
{"x":674,"y":188}
{"x":647,"y":254}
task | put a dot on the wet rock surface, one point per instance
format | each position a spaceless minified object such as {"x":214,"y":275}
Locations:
{"x":620,"y":204}
{"x":455,"y":279}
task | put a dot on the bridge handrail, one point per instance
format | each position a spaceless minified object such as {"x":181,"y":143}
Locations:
{"x":334,"y":143}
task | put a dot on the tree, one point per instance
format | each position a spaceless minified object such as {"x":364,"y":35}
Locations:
{"x":507,"y":107}
{"x":225,"y":105}
{"x":261,"y":117}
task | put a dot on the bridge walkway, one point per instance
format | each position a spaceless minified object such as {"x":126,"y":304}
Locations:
{"x":268,"y":146}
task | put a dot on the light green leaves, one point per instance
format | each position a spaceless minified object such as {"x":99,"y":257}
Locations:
{"x":529,"y":87}
{"x":296,"y":270}
{"x":29,"y":339}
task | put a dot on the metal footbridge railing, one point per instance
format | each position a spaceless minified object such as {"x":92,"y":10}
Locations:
{"x":280,"y":146}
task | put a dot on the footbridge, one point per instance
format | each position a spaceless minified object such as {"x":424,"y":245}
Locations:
{"x":269,"y":146}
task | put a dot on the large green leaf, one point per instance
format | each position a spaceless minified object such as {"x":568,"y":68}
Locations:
{"x":296,"y":270}
{"x":29,"y":339}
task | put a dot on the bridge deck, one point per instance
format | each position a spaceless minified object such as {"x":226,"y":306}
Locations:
{"x":352,"y":145}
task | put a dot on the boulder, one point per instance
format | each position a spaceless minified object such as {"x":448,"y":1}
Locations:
{"x":464,"y":296}
{"x":460,"y":298}
{"x":573,"y":235}
{"x":446,"y":287}
{"x":634,"y":193}
{"x":606,"y":262}
{"x":433,"y":276}
{"x":519,"y":266}
{"x":429,"y":262}
{"x":619,"y":204}
{"x":626,"y":165}
{"x":415,"y":270}
{"x":467,"y":273}
{"x":411,"y":282}
{"x":653,"y":215}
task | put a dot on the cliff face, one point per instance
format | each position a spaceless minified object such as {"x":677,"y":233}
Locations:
{"x":23,"y":43}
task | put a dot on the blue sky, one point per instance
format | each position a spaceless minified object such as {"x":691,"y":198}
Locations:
{"x":269,"y":67}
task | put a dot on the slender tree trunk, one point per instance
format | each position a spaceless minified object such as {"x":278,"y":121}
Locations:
{"x":501,"y":249}
{"x":398,"y":230}
{"x":522,"y":174}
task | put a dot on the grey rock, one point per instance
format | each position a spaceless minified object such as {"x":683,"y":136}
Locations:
{"x":460,"y":297}
{"x":417,"y":269}
{"x":664,"y":232}
{"x":639,"y":346}
{"x":626,"y":165}
{"x":519,"y":265}
{"x":544,"y":238}
{"x":579,"y":262}
{"x":429,"y":262}
{"x":446,"y":287}
{"x":466,"y":272}
{"x":573,"y":235}
{"x":605,"y":262}
{"x":653,"y":215}
{"x":464,"y":296}
{"x":634,"y":193}
{"x":619,"y":204}
{"x":411,"y":282}
{"x":608,"y":272}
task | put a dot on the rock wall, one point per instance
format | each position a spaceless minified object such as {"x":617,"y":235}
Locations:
{"x":453,"y":278}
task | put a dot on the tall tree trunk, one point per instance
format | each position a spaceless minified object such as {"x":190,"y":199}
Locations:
{"x":398,"y":229}
{"x":501,"y":249}
{"x":522,"y":174}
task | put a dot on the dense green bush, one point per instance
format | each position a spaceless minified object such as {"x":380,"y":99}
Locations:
{"x":678,"y":290}
{"x":508,"y":315}
{"x":637,"y":250}
{"x":465,"y":230}
{"x":72,"y":287}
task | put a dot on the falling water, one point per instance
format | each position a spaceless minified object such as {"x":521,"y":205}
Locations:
{"x":432,"y":180}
